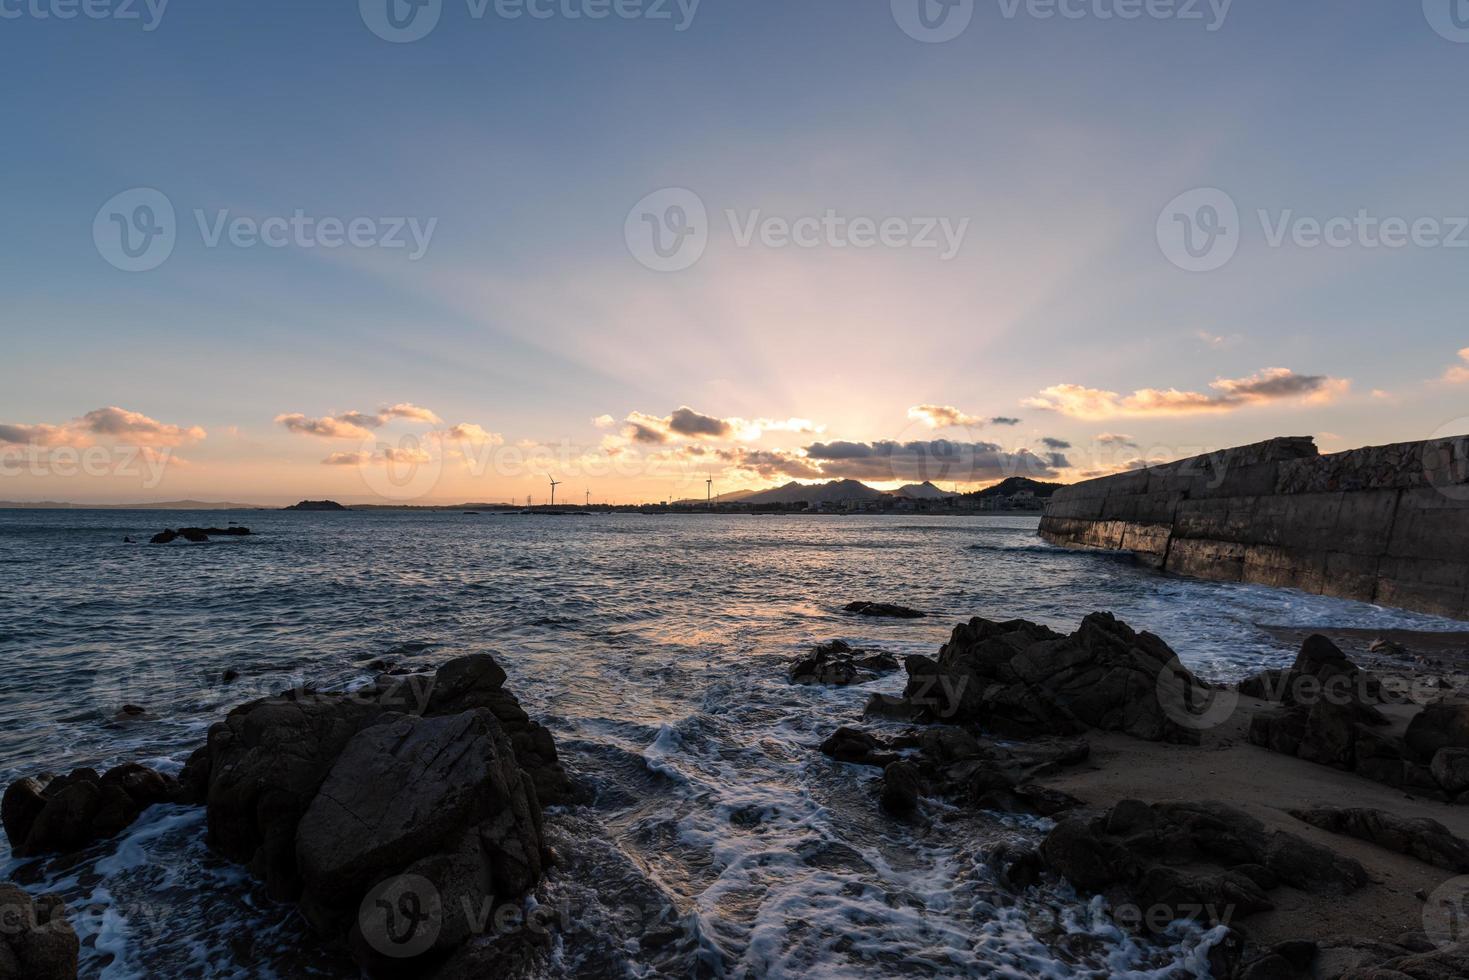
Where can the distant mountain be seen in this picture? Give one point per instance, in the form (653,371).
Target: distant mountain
(922,491)
(734,496)
(1015,484)
(160,505)
(835,492)
(316,505)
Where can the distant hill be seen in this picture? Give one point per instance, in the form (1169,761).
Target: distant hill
(160,505)
(1015,484)
(316,505)
(837,491)
(922,491)
(733,497)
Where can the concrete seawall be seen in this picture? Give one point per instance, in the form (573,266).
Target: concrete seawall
(1385,524)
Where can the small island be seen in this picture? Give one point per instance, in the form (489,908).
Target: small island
(316,505)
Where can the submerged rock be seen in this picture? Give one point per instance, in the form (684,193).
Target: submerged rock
(198,535)
(883,609)
(37,942)
(59,814)
(836,664)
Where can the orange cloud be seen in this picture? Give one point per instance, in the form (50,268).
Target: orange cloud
(1458,374)
(1269,385)
(111,423)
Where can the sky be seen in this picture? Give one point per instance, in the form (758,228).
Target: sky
(452,249)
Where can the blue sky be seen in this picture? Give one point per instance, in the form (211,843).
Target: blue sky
(1057,142)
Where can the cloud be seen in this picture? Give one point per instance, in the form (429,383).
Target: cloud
(355,425)
(686,423)
(1459,373)
(474,434)
(1270,385)
(1116,439)
(407,410)
(604,421)
(1051,443)
(942,416)
(1004,420)
(347,459)
(351,425)
(385,454)
(940,459)
(110,423)
(1217,341)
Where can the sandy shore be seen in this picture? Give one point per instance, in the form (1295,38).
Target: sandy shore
(1227,768)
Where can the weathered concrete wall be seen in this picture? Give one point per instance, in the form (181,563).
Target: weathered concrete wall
(1386,524)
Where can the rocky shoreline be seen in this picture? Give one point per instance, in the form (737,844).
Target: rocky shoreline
(1312,822)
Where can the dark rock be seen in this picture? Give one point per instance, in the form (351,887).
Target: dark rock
(1020,678)
(37,942)
(229,675)
(902,787)
(1444,725)
(1016,865)
(890,707)
(1267,685)
(198,535)
(1427,840)
(883,609)
(853,745)
(45,814)
(164,537)
(1450,768)
(836,664)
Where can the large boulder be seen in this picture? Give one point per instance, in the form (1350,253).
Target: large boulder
(36,940)
(1023,679)
(436,801)
(58,814)
(836,664)
(1427,840)
(1444,725)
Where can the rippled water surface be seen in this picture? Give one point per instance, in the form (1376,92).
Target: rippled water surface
(718,842)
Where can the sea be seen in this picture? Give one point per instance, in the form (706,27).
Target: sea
(715,840)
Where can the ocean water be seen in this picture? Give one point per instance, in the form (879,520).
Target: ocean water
(718,841)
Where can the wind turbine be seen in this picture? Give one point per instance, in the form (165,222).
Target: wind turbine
(554,485)
(709,491)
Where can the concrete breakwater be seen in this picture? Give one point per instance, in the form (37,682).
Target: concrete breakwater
(1384,524)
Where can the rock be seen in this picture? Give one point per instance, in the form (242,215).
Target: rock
(413,802)
(164,537)
(60,814)
(1447,963)
(1427,840)
(197,535)
(837,664)
(1198,856)
(902,787)
(890,707)
(1268,685)
(1444,725)
(883,609)
(1022,679)
(37,942)
(1016,865)
(438,798)
(1388,648)
(853,745)
(1450,768)
(133,712)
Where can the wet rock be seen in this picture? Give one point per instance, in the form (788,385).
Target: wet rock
(1016,865)
(889,707)
(59,814)
(198,535)
(855,746)
(1447,963)
(37,942)
(883,609)
(836,664)
(902,787)
(1019,678)
(133,712)
(1427,840)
